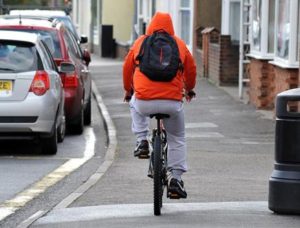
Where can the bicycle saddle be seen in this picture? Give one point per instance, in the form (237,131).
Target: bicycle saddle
(159,115)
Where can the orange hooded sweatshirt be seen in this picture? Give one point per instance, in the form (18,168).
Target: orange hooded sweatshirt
(144,88)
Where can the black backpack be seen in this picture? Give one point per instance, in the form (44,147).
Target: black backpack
(159,57)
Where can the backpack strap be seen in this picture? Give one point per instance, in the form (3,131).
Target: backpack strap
(141,52)
(180,67)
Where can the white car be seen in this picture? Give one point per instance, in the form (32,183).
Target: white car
(38,12)
(31,93)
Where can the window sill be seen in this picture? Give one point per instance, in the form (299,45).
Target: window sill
(284,65)
(260,57)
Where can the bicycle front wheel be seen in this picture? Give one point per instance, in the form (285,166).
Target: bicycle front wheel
(157,176)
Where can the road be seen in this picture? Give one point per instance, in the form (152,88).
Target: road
(230,159)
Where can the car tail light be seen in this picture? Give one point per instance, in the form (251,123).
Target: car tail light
(70,81)
(40,83)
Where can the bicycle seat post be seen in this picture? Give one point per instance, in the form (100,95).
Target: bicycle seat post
(158,117)
(158,125)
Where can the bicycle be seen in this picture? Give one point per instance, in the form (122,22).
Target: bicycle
(158,163)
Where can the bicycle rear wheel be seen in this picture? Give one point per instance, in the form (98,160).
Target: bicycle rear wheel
(157,176)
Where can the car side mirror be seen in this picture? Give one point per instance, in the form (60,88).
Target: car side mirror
(83,39)
(66,67)
(86,57)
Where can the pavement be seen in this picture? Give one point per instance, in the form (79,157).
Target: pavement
(230,157)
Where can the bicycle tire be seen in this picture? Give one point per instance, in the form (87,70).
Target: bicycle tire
(157,176)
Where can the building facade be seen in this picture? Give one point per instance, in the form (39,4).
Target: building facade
(274,53)
(181,11)
(110,18)
(270,32)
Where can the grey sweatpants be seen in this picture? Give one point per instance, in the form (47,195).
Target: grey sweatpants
(140,111)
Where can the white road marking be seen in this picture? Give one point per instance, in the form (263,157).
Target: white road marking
(117,101)
(60,216)
(31,219)
(124,115)
(204,135)
(200,125)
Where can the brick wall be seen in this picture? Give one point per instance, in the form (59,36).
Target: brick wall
(223,61)
(121,50)
(267,80)
(261,85)
(214,63)
(229,62)
(285,79)
(199,62)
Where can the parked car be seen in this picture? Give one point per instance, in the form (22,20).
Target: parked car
(51,15)
(31,93)
(38,12)
(64,48)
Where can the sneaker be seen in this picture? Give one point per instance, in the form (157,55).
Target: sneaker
(142,149)
(176,189)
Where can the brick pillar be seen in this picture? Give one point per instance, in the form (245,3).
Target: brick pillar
(261,85)
(208,35)
(285,79)
(205,50)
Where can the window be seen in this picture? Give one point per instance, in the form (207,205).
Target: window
(140,6)
(49,36)
(185,19)
(48,56)
(283,29)
(256,25)
(298,33)
(234,20)
(146,9)
(140,27)
(262,29)
(271,26)
(95,21)
(286,23)
(17,56)
(70,45)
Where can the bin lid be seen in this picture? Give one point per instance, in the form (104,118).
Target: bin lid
(282,100)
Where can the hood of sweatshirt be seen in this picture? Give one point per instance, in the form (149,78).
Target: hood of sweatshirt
(161,21)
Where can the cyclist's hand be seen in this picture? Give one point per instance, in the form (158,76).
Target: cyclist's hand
(190,95)
(127,96)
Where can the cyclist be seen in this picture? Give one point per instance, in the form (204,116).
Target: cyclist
(150,96)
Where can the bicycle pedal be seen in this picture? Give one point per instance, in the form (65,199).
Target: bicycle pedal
(143,156)
(173,196)
(150,175)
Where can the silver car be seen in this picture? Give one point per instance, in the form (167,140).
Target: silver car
(31,93)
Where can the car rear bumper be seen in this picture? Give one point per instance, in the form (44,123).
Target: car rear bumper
(34,114)
(72,103)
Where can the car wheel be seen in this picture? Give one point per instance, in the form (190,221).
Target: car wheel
(88,112)
(49,144)
(61,130)
(77,127)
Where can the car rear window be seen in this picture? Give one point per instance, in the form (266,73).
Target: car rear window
(16,57)
(50,37)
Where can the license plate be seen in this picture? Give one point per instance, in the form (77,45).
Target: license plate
(5,88)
